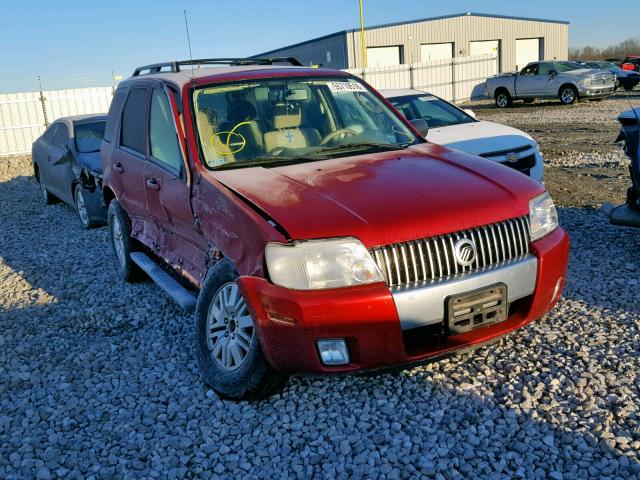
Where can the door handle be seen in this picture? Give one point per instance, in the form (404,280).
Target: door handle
(118,167)
(153,184)
(49,158)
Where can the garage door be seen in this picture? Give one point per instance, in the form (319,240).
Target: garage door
(486,47)
(436,51)
(380,56)
(527,50)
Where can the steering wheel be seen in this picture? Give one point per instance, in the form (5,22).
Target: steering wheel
(338,134)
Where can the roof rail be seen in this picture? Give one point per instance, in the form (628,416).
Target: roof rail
(174,66)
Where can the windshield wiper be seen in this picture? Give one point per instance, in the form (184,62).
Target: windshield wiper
(275,161)
(363,145)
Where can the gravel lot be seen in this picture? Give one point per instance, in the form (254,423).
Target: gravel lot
(98,380)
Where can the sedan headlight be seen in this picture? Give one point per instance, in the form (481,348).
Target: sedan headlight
(543,216)
(585,81)
(319,264)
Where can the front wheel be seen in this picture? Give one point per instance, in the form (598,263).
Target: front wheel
(227,348)
(503,99)
(568,95)
(81,208)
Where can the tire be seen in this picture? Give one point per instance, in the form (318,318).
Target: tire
(44,193)
(568,94)
(81,208)
(245,375)
(628,87)
(503,99)
(122,243)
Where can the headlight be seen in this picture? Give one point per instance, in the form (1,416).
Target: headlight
(543,216)
(585,81)
(319,264)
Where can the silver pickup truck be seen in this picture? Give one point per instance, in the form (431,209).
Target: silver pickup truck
(567,81)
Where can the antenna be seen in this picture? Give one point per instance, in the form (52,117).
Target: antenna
(186,24)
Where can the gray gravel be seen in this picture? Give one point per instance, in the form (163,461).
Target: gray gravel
(98,380)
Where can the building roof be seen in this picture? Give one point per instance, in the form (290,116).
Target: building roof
(418,20)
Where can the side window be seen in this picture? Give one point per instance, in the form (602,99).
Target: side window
(61,138)
(50,133)
(530,70)
(134,120)
(114,111)
(163,140)
(545,69)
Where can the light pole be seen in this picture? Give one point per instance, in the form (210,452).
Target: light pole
(364,48)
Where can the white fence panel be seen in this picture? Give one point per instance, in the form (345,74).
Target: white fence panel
(454,79)
(22,118)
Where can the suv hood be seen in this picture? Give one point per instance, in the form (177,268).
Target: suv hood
(479,137)
(385,197)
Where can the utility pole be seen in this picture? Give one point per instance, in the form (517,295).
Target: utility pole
(364,48)
(43,103)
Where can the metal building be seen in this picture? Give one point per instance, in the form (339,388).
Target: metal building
(515,41)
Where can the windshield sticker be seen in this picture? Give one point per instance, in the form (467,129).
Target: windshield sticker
(346,87)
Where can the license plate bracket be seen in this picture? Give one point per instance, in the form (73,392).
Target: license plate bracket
(478,308)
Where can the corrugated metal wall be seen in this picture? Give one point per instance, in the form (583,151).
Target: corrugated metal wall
(22,117)
(329,51)
(462,30)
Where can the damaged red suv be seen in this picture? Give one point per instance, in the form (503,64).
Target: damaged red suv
(312,228)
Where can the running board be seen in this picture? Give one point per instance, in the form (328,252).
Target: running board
(625,216)
(166,282)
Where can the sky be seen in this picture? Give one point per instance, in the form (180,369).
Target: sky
(73,43)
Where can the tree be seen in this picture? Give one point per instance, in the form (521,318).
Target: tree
(620,50)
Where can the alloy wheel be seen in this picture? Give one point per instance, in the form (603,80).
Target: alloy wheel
(81,207)
(230,330)
(118,241)
(568,95)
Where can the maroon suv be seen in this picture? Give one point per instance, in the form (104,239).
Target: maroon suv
(312,228)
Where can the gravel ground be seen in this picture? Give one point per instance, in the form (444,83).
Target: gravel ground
(98,380)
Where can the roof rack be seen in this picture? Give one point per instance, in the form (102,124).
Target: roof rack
(175,65)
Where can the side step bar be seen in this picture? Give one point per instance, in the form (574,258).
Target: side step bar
(625,216)
(166,282)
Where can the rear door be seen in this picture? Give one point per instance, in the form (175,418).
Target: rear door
(177,239)
(60,161)
(128,159)
(42,154)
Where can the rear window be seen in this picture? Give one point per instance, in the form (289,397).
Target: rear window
(61,138)
(88,136)
(133,130)
(114,114)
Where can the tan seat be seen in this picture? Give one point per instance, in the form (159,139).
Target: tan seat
(287,133)
(213,146)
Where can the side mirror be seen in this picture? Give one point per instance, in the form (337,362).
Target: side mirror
(421,126)
(553,74)
(470,112)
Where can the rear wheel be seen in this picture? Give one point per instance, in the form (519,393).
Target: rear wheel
(568,95)
(122,243)
(227,348)
(503,99)
(44,193)
(628,87)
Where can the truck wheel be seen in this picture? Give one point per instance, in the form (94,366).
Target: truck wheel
(503,99)
(227,348)
(568,95)
(81,208)
(122,243)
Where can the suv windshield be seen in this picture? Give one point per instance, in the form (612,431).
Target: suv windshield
(435,111)
(278,121)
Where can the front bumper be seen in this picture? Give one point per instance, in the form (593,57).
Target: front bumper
(594,92)
(289,322)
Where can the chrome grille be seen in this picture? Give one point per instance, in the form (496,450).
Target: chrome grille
(431,259)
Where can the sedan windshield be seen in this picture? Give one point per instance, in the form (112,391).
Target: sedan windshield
(435,111)
(278,121)
(88,136)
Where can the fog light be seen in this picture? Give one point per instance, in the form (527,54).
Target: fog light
(333,351)
(558,289)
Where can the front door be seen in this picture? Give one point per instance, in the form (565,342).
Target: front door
(177,239)
(60,165)
(529,83)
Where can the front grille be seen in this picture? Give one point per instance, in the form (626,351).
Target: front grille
(432,259)
(523,164)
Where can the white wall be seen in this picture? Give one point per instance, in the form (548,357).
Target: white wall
(22,116)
